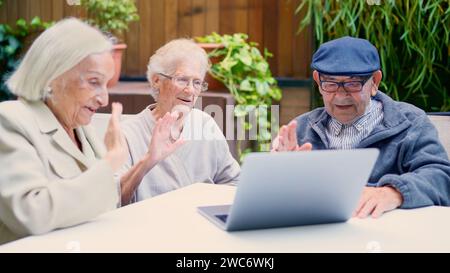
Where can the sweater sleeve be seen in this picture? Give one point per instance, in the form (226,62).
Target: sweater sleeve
(228,169)
(426,180)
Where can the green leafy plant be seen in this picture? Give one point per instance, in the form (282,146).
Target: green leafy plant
(12,43)
(112,16)
(412,38)
(245,72)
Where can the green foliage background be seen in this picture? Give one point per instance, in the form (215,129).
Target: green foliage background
(246,73)
(111,16)
(13,39)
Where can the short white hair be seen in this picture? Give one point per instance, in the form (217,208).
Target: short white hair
(169,56)
(57,50)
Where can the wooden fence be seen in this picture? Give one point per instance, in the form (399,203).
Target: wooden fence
(271,23)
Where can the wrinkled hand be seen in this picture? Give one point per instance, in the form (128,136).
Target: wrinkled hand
(114,140)
(287,139)
(162,144)
(377,200)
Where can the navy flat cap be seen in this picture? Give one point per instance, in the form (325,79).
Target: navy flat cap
(346,56)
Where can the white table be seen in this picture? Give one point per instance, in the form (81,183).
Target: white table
(171,223)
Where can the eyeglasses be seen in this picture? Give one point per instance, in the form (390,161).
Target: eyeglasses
(349,87)
(184,82)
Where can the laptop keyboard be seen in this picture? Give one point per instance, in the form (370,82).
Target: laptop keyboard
(222,217)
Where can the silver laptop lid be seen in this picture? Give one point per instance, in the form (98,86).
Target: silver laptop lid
(299,188)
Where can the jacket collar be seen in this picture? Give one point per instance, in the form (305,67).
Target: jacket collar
(44,117)
(392,117)
(48,124)
(393,122)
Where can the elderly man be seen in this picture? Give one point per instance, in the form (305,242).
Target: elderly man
(413,168)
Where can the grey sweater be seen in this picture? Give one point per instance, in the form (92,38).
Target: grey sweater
(412,159)
(205,157)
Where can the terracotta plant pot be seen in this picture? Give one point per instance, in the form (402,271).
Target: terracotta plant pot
(117,56)
(213,84)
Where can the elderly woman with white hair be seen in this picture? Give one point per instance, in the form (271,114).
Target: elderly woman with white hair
(176,74)
(55,173)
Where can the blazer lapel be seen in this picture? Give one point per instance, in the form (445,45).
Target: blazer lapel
(64,142)
(48,124)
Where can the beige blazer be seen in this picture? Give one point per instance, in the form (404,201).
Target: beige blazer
(46,182)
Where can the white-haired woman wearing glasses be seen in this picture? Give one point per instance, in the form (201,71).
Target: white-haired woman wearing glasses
(176,74)
(54,172)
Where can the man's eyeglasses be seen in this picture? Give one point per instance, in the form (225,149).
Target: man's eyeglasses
(349,87)
(184,82)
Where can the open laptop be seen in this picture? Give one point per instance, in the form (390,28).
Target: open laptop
(295,188)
